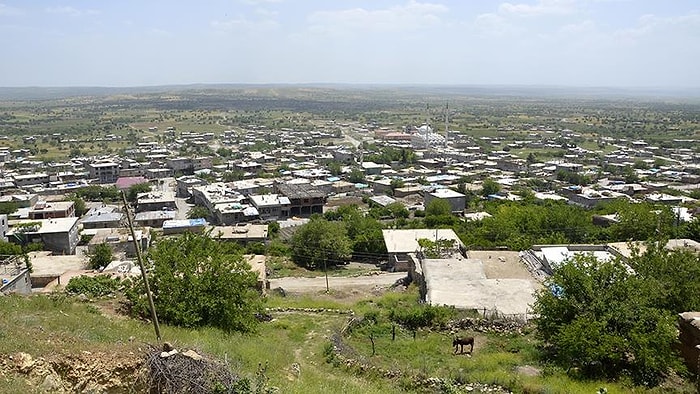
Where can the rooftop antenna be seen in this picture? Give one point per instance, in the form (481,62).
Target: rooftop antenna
(427,126)
(447,121)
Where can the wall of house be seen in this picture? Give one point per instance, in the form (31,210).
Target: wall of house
(689,335)
(19,284)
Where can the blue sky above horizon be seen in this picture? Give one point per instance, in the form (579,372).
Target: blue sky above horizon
(610,43)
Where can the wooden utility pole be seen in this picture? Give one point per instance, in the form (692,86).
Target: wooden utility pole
(139,258)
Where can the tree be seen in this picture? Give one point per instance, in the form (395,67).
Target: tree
(599,316)
(356,176)
(489,187)
(335,168)
(438,213)
(198,212)
(79,205)
(321,243)
(8,208)
(199,281)
(100,257)
(134,190)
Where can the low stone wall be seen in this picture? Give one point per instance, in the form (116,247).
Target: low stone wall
(500,326)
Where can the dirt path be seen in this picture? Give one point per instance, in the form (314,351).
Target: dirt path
(312,285)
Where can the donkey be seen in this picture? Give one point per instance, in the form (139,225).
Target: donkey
(460,342)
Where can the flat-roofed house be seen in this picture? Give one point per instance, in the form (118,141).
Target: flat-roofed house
(50,210)
(58,235)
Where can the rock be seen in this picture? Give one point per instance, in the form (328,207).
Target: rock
(168,354)
(193,355)
(23,362)
(528,370)
(51,383)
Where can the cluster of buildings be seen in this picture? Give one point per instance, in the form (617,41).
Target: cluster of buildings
(298,173)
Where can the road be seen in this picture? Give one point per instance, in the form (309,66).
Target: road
(313,285)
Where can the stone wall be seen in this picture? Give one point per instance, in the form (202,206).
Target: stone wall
(689,327)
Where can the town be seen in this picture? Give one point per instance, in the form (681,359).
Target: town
(474,199)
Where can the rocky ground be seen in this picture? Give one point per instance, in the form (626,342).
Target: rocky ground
(84,372)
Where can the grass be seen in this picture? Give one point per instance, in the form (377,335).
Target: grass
(283,267)
(56,324)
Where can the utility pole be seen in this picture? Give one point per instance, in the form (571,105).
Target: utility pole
(325,271)
(139,258)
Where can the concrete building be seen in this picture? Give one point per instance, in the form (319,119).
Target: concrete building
(401,243)
(154,218)
(14,276)
(58,235)
(271,206)
(102,217)
(155,201)
(185,184)
(243,233)
(120,240)
(51,210)
(104,171)
(589,198)
(304,199)
(184,225)
(32,179)
(456,200)
(3,227)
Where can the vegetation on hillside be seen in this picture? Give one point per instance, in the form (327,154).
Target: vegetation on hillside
(198,281)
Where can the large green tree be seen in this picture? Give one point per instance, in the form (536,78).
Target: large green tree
(320,243)
(604,319)
(200,281)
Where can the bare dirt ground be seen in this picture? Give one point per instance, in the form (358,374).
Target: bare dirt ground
(501,264)
(378,281)
(44,263)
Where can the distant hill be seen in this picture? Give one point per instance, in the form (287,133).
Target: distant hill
(52,93)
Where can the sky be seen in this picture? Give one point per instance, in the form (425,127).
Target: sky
(587,43)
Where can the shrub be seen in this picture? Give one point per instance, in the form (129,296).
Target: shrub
(93,286)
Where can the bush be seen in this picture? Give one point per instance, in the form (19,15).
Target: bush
(198,281)
(100,257)
(93,286)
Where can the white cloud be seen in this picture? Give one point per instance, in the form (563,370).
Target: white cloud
(541,7)
(259,2)
(651,25)
(6,10)
(70,11)
(411,16)
(242,24)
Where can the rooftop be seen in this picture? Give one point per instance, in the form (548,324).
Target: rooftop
(406,241)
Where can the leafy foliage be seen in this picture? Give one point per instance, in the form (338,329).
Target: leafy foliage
(93,286)
(79,205)
(490,187)
(364,230)
(438,213)
(321,243)
(100,257)
(134,190)
(7,208)
(198,212)
(8,248)
(199,281)
(604,319)
(98,193)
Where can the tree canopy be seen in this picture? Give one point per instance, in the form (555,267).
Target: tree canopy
(200,281)
(321,243)
(100,257)
(608,320)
